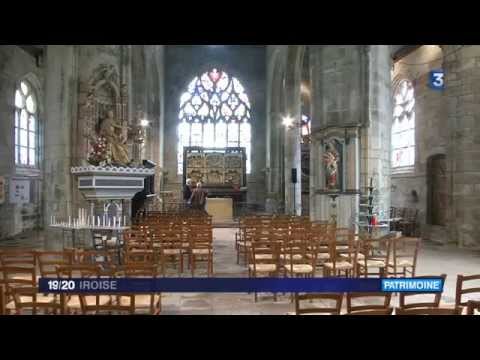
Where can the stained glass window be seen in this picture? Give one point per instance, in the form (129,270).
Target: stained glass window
(25,125)
(214,112)
(403,126)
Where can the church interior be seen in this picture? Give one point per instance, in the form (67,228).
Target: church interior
(239,161)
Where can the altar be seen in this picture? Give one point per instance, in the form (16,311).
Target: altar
(222,171)
(221,209)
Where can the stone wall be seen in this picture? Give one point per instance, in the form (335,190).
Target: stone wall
(247,64)
(431,134)
(462,96)
(15,65)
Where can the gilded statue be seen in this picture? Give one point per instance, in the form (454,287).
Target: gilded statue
(112,131)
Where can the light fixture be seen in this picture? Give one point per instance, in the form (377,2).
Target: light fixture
(144,123)
(288,121)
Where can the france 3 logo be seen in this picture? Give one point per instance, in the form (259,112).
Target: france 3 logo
(437,80)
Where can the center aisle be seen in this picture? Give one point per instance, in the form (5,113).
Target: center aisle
(225,265)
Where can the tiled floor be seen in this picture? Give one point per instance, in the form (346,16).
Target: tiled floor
(433,260)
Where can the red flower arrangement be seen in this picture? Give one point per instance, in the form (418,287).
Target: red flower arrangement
(99,151)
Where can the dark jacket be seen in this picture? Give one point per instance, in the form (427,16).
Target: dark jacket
(187,193)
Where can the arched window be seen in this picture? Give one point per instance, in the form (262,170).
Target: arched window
(214,112)
(26,125)
(403,127)
(306,129)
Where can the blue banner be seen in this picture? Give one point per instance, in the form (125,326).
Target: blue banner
(228,285)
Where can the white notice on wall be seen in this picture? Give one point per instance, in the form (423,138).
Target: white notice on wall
(19,191)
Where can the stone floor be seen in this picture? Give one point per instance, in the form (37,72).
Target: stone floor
(433,260)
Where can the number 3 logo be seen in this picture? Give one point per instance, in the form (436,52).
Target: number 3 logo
(437,79)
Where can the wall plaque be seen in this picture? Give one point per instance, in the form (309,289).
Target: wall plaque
(19,191)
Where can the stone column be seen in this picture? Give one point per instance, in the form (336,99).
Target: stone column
(351,102)
(61,112)
(292,135)
(376,135)
(292,160)
(462,93)
(276,59)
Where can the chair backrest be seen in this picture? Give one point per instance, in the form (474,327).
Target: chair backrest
(473,306)
(429,311)
(3,299)
(17,276)
(435,303)
(361,301)
(140,257)
(48,260)
(264,252)
(461,290)
(385,311)
(16,257)
(307,303)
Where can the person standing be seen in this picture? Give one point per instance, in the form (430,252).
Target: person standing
(198,198)
(187,192)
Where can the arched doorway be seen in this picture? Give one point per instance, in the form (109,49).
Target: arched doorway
(437,190)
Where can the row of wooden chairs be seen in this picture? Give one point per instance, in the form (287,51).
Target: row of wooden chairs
(170,240)
(382,307)
(338,251)
(405,306)
(21,294)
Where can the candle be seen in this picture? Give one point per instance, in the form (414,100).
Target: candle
(124,221)
(69,220)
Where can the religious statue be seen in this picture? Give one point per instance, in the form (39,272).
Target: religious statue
(331,159)
(109,146)
(112,131)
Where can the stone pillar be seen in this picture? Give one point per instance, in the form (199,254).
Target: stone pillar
(292,135)
(292,160)
(376,135)
(276,60)
(351,104)
(60,121)
(462,92)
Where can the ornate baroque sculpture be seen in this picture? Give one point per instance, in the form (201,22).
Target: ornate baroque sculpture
(107,132)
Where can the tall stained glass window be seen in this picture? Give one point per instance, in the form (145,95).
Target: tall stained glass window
(214,112)
(26,126)
(403,127)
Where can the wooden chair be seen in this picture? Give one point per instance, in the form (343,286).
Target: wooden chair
(473,306)
(312,298)
(17,257)
(403,261)
(429,311)
(150,302)
(82,303)
(48,261)
(375,255)
(364,308)
(385,311)
(22,292)
(264,260)
(3,300)
(461,291)
(319,240)
(416,305)
(294,259)
(201,247)
(342,255)
(171,249)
